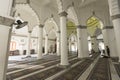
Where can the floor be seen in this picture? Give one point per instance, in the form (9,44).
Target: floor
(49,68)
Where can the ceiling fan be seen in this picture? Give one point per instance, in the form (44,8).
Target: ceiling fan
(20,24)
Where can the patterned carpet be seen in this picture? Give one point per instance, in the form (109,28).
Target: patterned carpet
(101,70)
(75,72)
(47,73)
(117,67)
(27,71)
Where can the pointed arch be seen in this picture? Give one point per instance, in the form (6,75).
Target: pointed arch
(94,25)
(72,14)
(52,25)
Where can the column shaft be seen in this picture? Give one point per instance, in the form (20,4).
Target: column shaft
(46,44)
(94,44)
(58,43)
(64,48)
(5,7)
(5,35)
(40,41)
(79,44)
(84,42)
(29,44)
(114,7)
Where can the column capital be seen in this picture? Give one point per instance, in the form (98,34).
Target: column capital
(107,27)
(63,13)
(93,36)
(113,17)
(81,27)
(6,21)
(41,26)
(58,31)
(46,35)
(29,31)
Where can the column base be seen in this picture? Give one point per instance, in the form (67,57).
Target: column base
(64,66)
(39,58)
(58,55)
(28,56)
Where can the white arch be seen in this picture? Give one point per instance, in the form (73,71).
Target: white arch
(55,26)
(101,22)
(71,11)
(53,30)
(73,35)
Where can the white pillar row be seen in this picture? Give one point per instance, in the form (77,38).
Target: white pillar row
(29,44)
(79,41)
(5,34)
(58,43)
(111,41)
(94,43)
(40,41)
(114,6)
(64,47)
(46,44)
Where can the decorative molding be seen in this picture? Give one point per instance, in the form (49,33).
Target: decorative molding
(63,14)
(115,16)
(6,21)
(82,27)
(108,27)
(41,26)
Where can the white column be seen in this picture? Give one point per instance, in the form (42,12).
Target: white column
(94,43)
(84,40)
(64,48)
(105,36)
(40,41)
(80,51)
(5,7)
(58,43)
(29,44)
(70,46)
(109,40)
(114,7)
(46,44)
(5,35)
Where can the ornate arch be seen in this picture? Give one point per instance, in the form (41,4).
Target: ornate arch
(94,25)
(75,18)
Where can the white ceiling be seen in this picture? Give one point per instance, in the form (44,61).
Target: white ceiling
(78,11)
